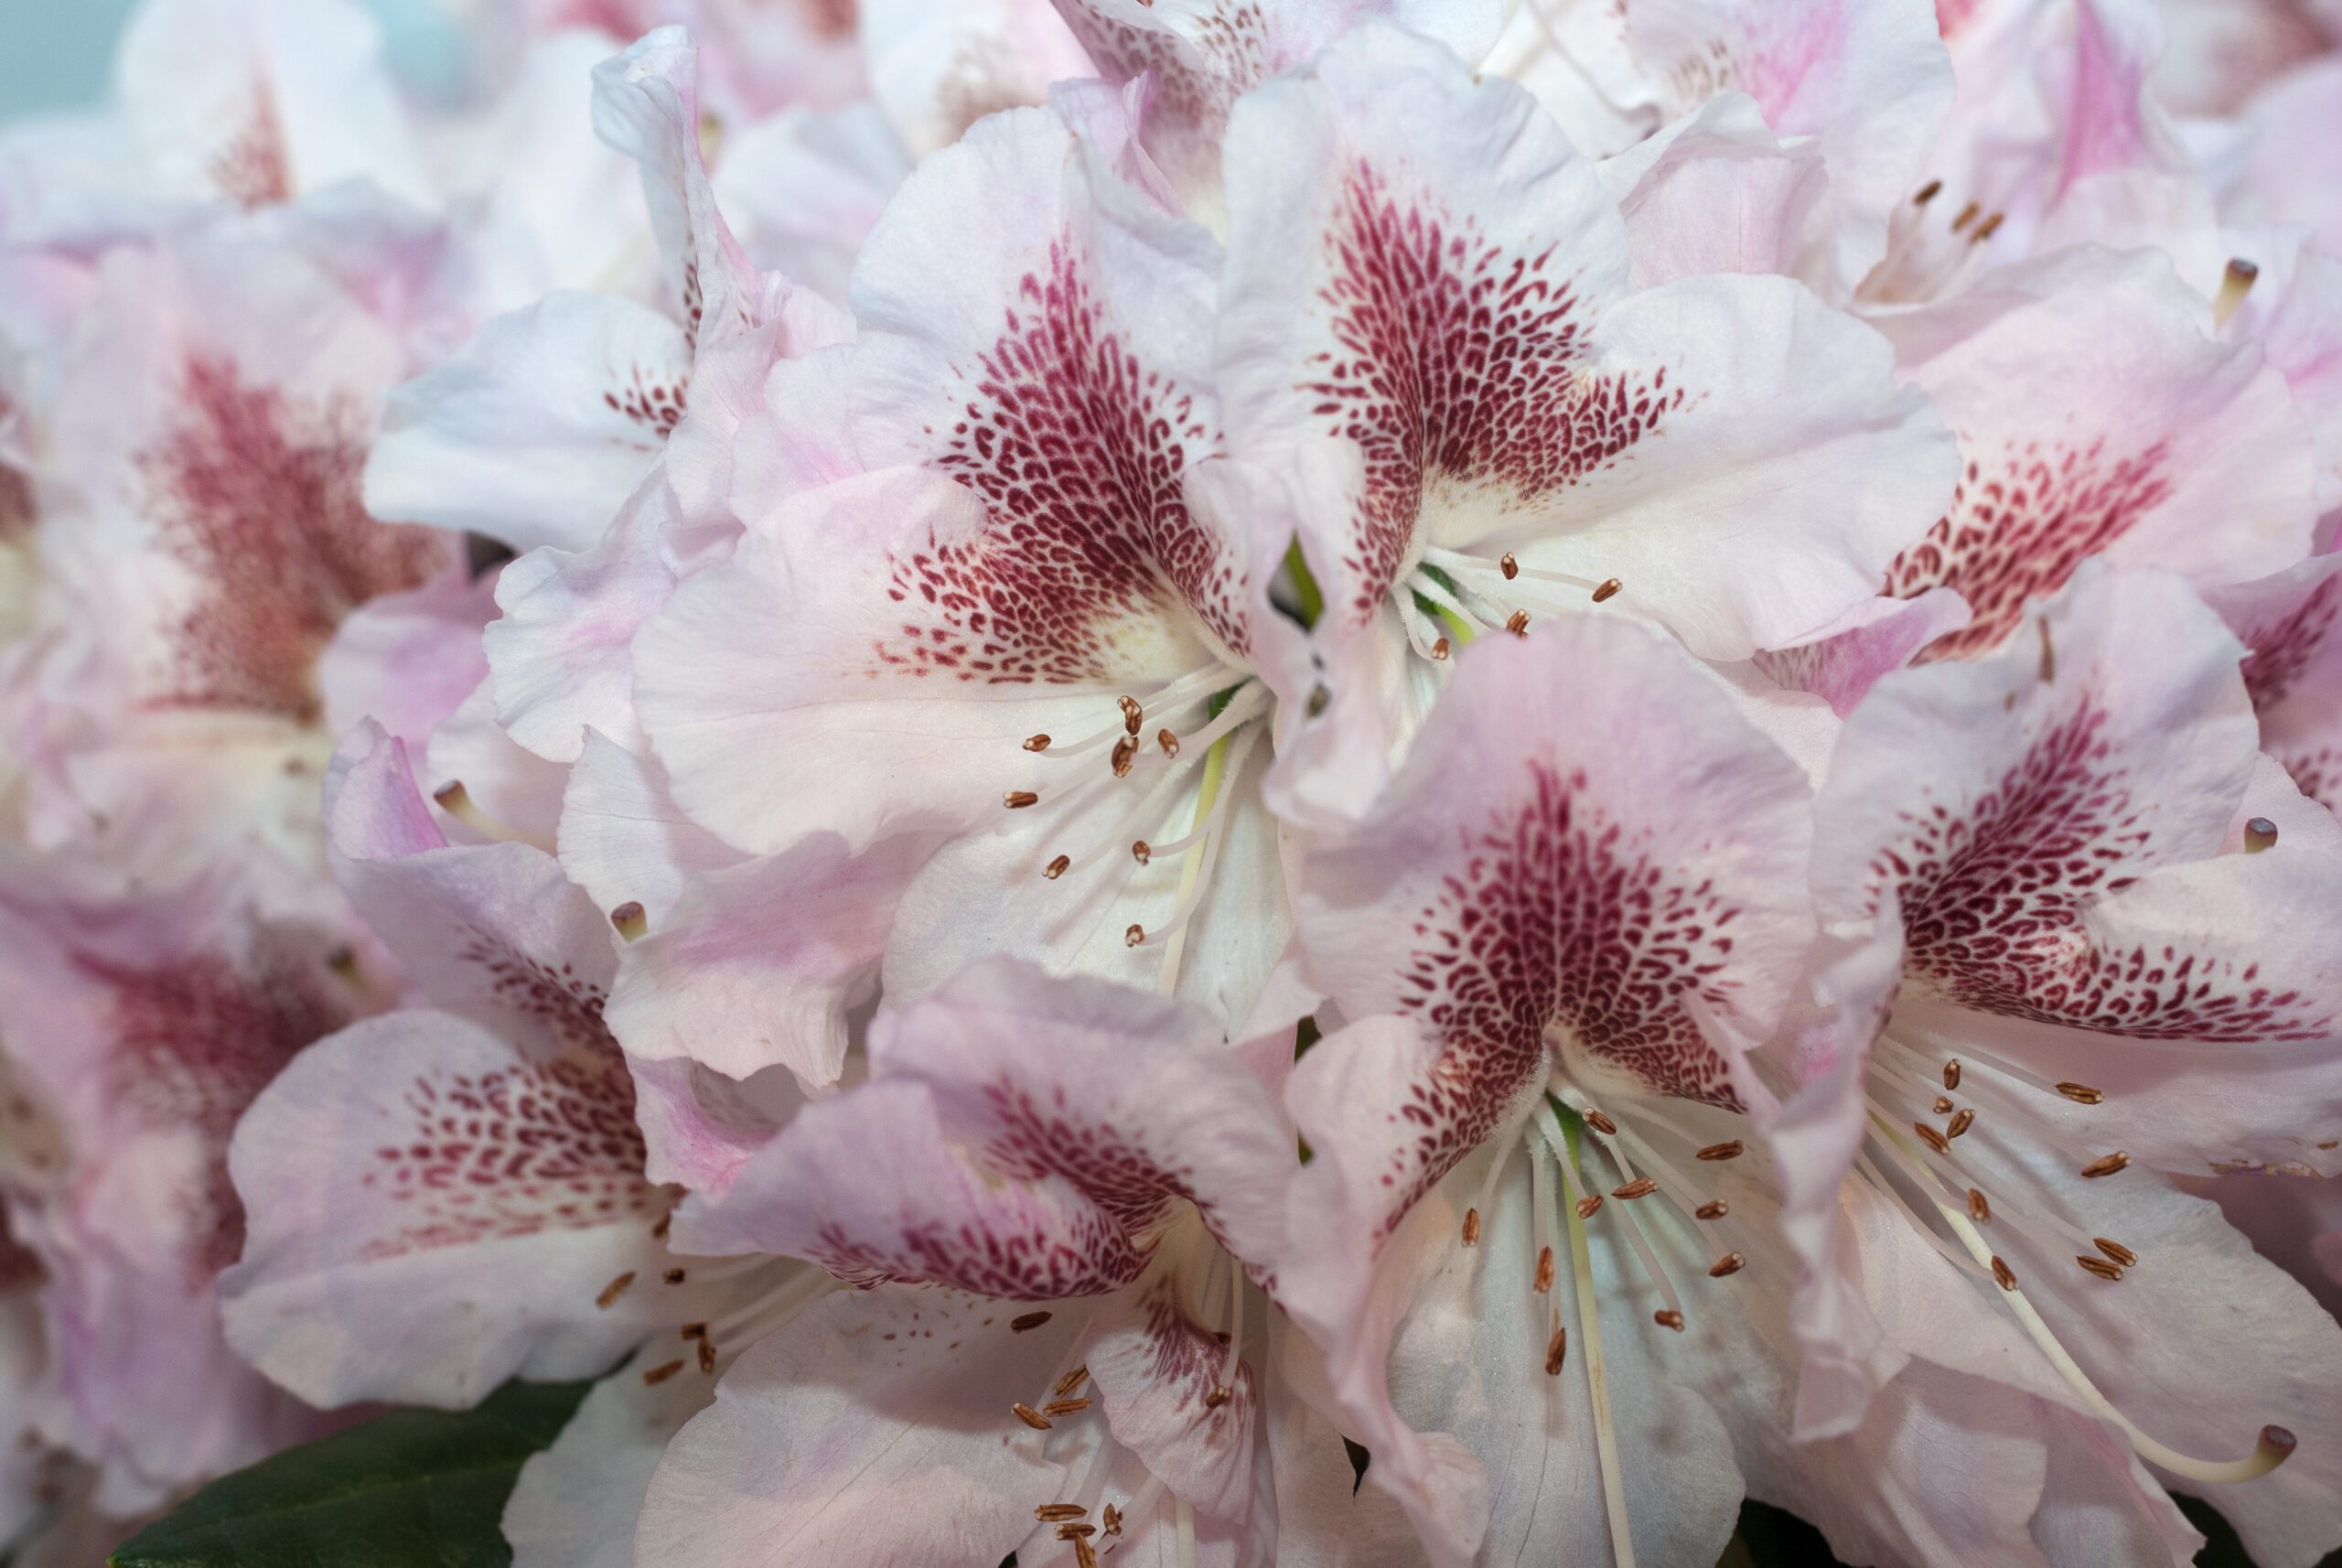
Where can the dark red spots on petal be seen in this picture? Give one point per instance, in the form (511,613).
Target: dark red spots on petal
(253,168)
(1994,900)
(1077,451)
(1459,364)
(260,500)
(2021,521)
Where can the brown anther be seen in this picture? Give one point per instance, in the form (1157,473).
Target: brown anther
(1641,1186)
(1057,1513)
(1017,800)
(1029,1416)
(1608,590)
(2115,1250)
(1112,1519)
(1028,1322)
(1730,1149)
(1142,851)
(2081,1093)
(657,1375)
(1037,743)
(1070,1381)
(628,921)
(1168,742)
(1439,648)
(1943,1105)
(1132,715)
(1979,1209)
(1952,1074)
(1967,216)
(1931,1138)
(2239,267)
(1927,193)
(1084,1554)
(1125,754)
(2259,834)
(615,1289)
(1730,1264)
(1986,229)
(1134,935)
(1517,623)
(1056,867)
(707,1356)
(450,794)
(1544,1280)
(2002,1273)
(1471,1228)
(2099,1266)
(1065,1407)
(1668,1317)
(1589,1206)
(1508,566)
(2107,1167)
(1715,1208)
(693,1331)
(1959,1123)
(673,1276)
(659,1231)
(1218,1396)
(1557,1350)
(1075,1532)
(1321,697)
(1601,1124)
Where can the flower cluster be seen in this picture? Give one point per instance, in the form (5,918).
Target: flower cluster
(1216,782)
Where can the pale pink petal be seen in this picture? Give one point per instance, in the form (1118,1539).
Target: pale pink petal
(757,965)
(625,841)
(2295,169)
(1170,1396)
(508,791)
(536,431)
(2096,417)
(803,189)
(1716,191)
(1842,660)
(433,1209)
(577,1503)
(938,69)
(700,1127)
(407,660)
(875,1430)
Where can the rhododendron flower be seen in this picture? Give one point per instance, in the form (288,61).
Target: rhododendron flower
(2116,957)
(1420,264)
(139,1029)
(1087,1179)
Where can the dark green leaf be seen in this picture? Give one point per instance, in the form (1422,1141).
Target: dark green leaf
(415,1488)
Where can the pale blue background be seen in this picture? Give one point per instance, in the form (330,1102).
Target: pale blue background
(56,53)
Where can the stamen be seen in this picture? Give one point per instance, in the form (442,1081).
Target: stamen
(2259,834)
(1125,756)
(1028,1322)
(1065,1407)
(693,1331)
(2235,284)
(630,921)
(2107,1167)
(1979,1209)
(2115,1251)
(1933,1138)
(1017,800)
(1036,742)
(1668,1317)
(1985,231)
(707,1357)
(1600,1123)
(615,1289)
(1715,1210)
(1927,193)
(1543,1283)
(1952,1074)
(1589,1206)
(1729,1150)
(1071,1381)
(1608,590)
(1168,742)
(1075,1532)
(1134,935)
(2081,1093)
(1517,623)
(1142,852)
(659,1374)
(1967,216)
(1598,1376)
(673,1276)
(1056,867)
(2002,1273)
(1730,1264)
(1055,1513)
(1133,715)
(1029,1416)
(2099,1266)
(1641,1186)
(1112,1520)
(1508,566)
(1557,1349)
(1471,1228)
(1084,1554)
(1439,648)
(1959,1123)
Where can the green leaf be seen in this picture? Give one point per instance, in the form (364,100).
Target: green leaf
(415,1488)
